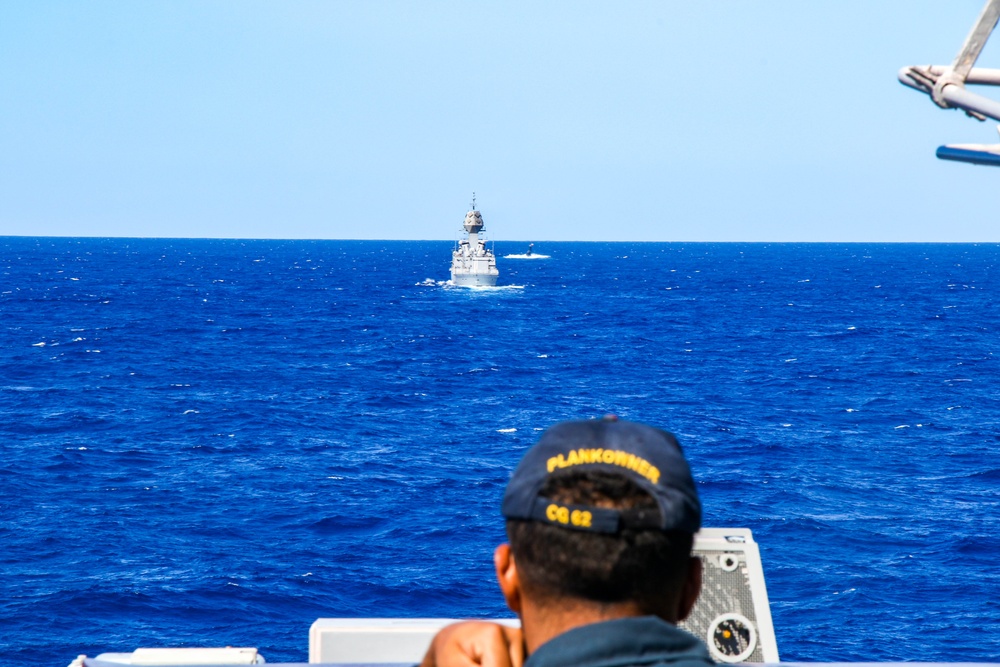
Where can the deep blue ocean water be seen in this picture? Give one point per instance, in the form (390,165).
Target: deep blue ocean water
(212,442)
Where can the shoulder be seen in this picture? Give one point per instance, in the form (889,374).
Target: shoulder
(628,642)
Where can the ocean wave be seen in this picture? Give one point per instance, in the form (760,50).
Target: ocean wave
(359,423)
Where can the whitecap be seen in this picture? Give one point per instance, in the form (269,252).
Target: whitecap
(189,412)
(522,256)
(903,426)
(38,344)
(543,356)
(506,430)
(489,288)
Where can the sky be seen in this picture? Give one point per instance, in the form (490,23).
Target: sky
(577,120)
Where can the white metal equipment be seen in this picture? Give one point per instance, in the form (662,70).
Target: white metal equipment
(174,656)
(946,87)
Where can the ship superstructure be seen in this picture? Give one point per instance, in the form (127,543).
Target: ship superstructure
(472,263)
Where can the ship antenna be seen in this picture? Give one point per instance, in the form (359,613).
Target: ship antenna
(473,201)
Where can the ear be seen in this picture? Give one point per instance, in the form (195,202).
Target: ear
(691,589)
(507,577)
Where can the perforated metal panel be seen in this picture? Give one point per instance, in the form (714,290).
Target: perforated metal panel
(732,615)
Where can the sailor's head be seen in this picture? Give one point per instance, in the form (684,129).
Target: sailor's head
(603,512)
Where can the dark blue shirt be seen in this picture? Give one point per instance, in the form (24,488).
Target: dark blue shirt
(624,642)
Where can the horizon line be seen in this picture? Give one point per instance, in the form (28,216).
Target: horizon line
(383,240)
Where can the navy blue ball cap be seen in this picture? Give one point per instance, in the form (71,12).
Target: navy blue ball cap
(650,457)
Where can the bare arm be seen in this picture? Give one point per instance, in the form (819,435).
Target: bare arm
(476,644)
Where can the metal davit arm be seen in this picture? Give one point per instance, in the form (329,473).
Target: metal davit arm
(976,40)
(946,85)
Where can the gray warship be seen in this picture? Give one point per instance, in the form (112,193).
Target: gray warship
(472,263)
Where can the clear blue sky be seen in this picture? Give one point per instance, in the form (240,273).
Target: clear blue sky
(645,121)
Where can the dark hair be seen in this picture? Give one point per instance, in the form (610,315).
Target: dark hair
(647,567)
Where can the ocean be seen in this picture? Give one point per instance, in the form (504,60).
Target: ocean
(215,442)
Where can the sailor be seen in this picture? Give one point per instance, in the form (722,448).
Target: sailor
(601,517)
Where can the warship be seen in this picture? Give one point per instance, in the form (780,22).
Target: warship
(472,263)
